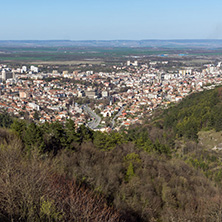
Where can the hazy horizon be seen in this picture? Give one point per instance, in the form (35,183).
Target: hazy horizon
(151,39)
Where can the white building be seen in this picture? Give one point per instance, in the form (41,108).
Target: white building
(105,94)
(34,69)
(34,106)
(185,72)
(24,69)
(135,63)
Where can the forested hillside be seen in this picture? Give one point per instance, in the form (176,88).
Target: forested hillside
(157,171)
(196,112)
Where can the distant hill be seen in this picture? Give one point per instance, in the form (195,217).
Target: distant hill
(186,43)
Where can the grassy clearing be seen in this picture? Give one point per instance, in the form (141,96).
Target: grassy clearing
(210,139)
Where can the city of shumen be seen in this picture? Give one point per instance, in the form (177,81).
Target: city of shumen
(104,96)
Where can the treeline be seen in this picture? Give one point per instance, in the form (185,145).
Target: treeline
(52,137)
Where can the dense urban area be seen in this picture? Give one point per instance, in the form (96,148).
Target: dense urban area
(101,100)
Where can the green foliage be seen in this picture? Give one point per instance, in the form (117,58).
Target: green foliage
(5,120)
(54,136)
(195,112)
(72,136)
(134,157)
(140,136)
(200,164)
(18,126)
(132,161)
(48,211)
(33,137)
(161,148)
(218,176)
(104,141)
(130,172)
(208,163)
(84,134)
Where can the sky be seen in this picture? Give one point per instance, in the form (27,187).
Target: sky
(110,19)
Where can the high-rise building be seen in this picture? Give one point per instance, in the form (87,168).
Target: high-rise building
(135,63)
(6,75)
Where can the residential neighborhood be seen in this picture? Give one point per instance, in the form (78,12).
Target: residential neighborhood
(135,89)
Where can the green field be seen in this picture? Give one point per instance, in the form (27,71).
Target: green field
(96,53)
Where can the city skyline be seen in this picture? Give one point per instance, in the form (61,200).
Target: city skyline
(116,20)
